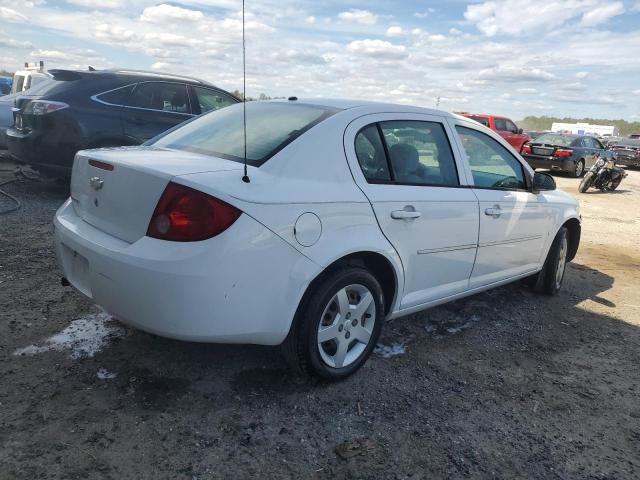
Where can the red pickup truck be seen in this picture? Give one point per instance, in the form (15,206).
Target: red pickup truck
(503,126)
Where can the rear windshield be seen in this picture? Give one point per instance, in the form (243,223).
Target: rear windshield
(482,120)
(270,127)
(555,139)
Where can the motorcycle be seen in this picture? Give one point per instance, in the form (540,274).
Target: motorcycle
(604,175)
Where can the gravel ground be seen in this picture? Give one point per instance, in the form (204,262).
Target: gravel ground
(504,384)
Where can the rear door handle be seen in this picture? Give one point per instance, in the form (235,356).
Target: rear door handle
(494,212)
(404,214)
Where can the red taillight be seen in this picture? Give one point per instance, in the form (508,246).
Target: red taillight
(561,152)
(526,148)
(187,215)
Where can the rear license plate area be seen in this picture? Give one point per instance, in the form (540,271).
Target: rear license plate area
(77,270)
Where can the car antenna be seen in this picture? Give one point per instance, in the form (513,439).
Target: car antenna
(245,177)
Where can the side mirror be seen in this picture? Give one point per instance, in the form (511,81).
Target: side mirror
(520,131)
(543,182)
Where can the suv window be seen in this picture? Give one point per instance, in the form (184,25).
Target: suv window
(118,96)
(500,124)
(419,153)
(482,120)
(168,97)
(511,127)
(371,154)
(492,166)
(207,100)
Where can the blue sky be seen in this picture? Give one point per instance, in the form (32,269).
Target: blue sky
(518,58)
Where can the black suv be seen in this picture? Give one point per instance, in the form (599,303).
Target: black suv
(76,110)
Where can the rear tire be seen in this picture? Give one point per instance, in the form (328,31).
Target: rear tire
(346,309)
(549,279)
(578,171)
(586,182)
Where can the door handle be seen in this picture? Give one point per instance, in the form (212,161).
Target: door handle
(494,212)
(405,214)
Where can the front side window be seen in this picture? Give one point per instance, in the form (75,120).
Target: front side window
(371,154)
(419,153)
(511,127)
(270,127)
(167,97)
(492,165)
(501,124)
(207,100)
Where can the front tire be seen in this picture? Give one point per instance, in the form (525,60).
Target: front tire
(586,182)
(337,325)
(549,279)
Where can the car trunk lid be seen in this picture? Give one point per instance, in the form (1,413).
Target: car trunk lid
(116,190)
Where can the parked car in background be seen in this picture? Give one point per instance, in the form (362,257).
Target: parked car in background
(354,214)
(504,126)
(627,151)
(572,154)
(29,77)
(634,135)
(91,109)
(609,140)
(5,85)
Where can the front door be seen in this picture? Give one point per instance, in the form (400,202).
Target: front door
(406,168)
(513,220)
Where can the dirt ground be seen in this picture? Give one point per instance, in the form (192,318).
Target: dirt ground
(504,384)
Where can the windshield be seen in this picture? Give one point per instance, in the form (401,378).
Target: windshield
(556,139)
(270,127)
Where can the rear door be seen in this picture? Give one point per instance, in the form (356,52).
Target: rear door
(513,220)
(405,165)
(153,107)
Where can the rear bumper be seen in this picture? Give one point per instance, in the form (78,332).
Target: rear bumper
(242,286)
(550,163)
(41,150)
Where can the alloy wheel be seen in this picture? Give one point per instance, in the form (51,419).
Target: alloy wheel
(346,326)
(562,260)
(579,168)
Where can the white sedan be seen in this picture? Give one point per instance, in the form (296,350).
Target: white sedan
(354,213)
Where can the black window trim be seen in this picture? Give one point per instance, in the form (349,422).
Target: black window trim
(527,180)
(393,181)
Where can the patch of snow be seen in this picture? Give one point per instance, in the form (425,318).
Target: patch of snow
(104,374)
(388,351)
(84,337)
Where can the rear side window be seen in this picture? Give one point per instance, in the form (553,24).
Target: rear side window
(270,127)
(207,100)
(492,165)
(371,154)
(118,96)
(418,153)
(167,97)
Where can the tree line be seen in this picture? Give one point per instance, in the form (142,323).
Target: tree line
(537,124)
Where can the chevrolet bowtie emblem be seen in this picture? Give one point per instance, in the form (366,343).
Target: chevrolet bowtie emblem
(96,183)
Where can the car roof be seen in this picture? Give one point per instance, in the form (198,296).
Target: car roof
(344,104)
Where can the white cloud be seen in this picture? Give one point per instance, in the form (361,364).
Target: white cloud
(395,31)
(310,19)
(636,92)
(454,31)
(377,48)
(7,41)
(97,3)
(602,14)
(425,13)
(511,73)
(163,13)
(354,15)
(515,17)
(11,15)
(582,75)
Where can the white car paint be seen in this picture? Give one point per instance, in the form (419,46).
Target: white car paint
(245,284)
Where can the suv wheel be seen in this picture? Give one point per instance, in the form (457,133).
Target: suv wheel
(338,325)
